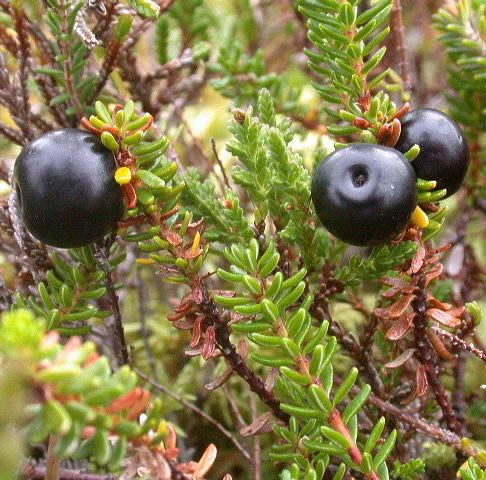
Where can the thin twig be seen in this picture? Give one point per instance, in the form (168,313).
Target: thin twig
(421,425)
(38,472)
(257,449)
(53,462)
(8,41)
(197,411)
(136,81)
(458,396)
(175,473)
(186,59)
(401,47)
(220,163)
(49,92)
(196,143)
(12,134)
(24,69)
(141,296)
(240,421)
(33,255)
(121,351)
(460,343)
(425,354)
(112,52)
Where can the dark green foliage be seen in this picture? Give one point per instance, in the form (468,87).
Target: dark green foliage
(380,261)
(408,471)
(231,293)
(67,298)
(347,54)
(225,218)
(462,29)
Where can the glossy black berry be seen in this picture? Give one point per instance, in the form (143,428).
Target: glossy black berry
(364,194)
(444,152)
(66,190)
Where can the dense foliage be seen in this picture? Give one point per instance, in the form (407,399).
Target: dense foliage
(221,331)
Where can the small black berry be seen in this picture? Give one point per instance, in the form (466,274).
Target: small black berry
(444,151)
(364,194)
(67,194)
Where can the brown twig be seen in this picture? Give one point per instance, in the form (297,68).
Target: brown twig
(13,134)
(220,163)
(24,53)
(235,361)
(138,87)
(53,462)
(43,42)
(49,92)
(398,30)
(460,343)
(112,52)
(121,351)
(425,354)
(174,66)
(240,421)
(38,472)
(197,411)
(196,143)
(424,426)
(142,301)
(175,473)
(458,396)
(8,41)
(32,255)
(257,449)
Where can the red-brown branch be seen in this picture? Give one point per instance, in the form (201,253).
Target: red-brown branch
(398,31)
(239,366)
(426,355)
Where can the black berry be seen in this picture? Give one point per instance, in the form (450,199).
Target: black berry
(66,190)
(364,194)
(444,152)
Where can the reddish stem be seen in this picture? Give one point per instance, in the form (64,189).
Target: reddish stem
(336,421)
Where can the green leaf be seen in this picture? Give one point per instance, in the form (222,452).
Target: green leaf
(346,386)
(231,302)
(291,297)
(319,398)
(335,437)
(296,377)
(301,412)
(151,180)
(374,436)
(385,449)
(357,403)
(147,8)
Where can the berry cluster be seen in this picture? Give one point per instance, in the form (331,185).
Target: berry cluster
(365,194)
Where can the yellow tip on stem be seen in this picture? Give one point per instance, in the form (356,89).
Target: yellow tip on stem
(123,175)
(420,218)
(195,244)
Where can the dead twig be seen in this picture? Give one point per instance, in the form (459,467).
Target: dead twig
(197,411)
